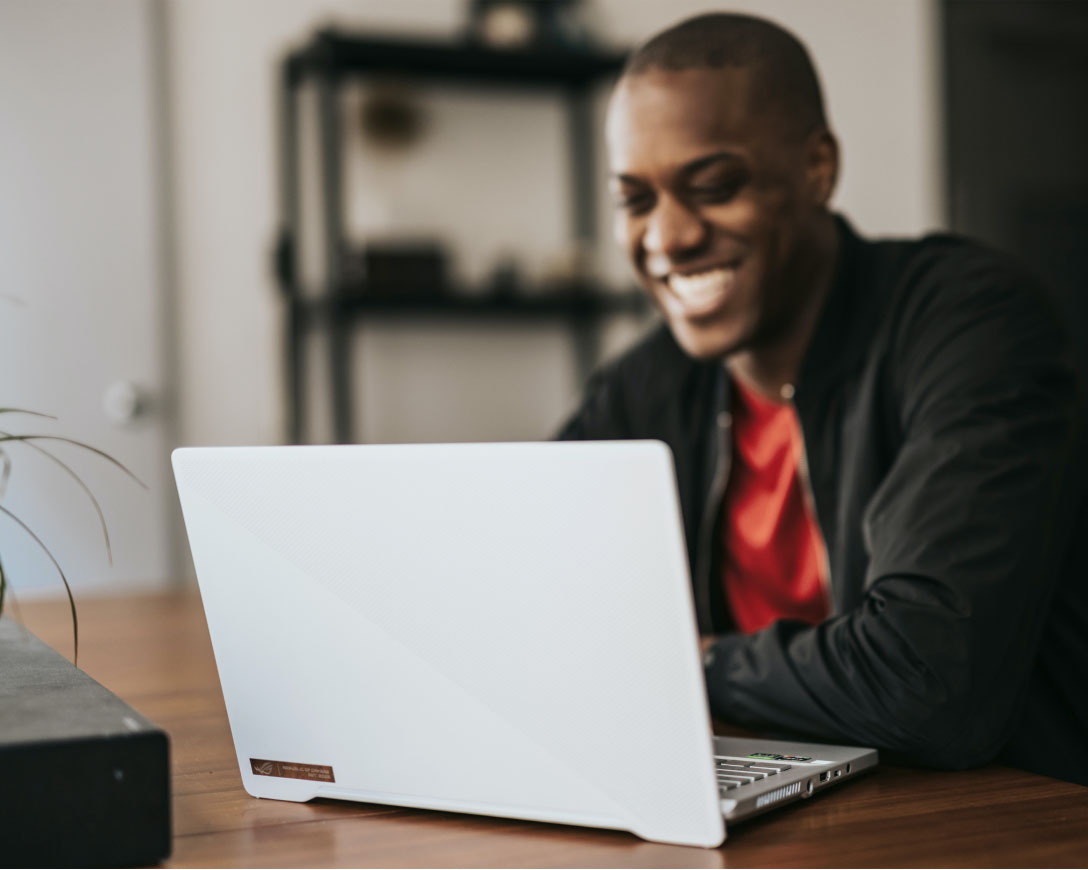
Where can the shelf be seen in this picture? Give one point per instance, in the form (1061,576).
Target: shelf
(329,60)
(567,304)
(341,54)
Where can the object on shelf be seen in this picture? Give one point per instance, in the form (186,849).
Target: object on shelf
(398,268)
(516,24)
(572,266)
(506,278)
(392,117)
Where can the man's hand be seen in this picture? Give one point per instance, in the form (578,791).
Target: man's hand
(706,643)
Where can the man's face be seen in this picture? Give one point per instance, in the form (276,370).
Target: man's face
(715,204)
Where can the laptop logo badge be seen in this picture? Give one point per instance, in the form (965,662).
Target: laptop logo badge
(291,770)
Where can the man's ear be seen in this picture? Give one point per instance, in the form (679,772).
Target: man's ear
(823,165)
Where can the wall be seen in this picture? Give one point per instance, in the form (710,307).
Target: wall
(82,294)
(492,175)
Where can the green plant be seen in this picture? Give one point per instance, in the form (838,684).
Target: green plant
(31,441)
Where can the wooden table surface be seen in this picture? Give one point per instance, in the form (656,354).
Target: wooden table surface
(154,652)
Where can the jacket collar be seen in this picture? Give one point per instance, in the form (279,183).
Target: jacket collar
(837,342)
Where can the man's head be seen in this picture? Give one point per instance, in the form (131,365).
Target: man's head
(722,168)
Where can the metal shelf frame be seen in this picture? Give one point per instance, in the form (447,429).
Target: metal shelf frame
(328,61)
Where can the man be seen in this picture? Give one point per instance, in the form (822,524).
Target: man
(878,444)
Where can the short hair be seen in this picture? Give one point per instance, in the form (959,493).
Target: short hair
(785,76)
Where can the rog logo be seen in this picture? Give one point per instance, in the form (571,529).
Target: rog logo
(292,770)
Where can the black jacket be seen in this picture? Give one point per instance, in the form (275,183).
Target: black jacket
(944,435)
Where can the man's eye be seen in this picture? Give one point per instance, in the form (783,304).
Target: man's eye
(635,203)
(717,191)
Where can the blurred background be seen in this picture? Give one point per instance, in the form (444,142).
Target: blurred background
(228,222)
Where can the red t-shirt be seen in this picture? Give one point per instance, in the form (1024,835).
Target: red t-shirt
(773,553)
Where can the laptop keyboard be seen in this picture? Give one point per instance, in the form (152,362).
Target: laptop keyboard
(738,772)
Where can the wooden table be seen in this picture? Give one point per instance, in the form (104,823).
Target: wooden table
(154,652)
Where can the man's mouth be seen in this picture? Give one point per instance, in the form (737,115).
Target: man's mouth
(698,294)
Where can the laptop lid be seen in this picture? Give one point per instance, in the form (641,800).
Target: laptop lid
(503,629)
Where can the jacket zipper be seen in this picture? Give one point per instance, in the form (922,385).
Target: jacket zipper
(810,503)
(706,527)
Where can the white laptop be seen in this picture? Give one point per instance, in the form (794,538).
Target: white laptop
(504,629)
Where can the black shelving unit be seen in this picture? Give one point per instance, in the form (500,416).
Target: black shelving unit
(331,59)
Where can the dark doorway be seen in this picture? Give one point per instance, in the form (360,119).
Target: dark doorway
(1017,125)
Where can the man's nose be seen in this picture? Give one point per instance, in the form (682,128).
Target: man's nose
(672,229)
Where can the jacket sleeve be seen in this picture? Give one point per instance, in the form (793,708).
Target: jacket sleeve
(967,535)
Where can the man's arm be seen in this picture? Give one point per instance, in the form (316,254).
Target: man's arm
(967,536)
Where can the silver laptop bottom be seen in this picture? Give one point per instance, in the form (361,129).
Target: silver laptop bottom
(757,775)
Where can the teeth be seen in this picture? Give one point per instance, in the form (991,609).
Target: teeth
(703,285)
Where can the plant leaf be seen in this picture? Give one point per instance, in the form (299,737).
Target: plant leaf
(24,411)
(6,473)
(75,477)
(95,450)
(16,614)
(64,580)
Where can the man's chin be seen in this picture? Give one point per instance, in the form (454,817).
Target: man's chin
(707,344)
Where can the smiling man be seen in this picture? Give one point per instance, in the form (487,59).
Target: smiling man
(878,445)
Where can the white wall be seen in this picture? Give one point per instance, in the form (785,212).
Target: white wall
(80,249)
(493,177)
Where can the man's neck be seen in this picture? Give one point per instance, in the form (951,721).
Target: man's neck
(772,369)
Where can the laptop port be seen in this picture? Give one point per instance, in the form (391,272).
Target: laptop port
(825,776)
(848,768)
(838,772)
